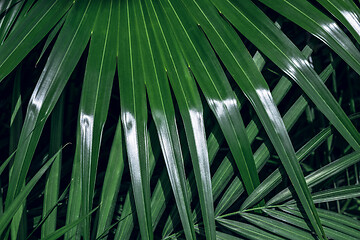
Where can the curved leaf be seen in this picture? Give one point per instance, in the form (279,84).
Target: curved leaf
(163,115)
(60,65)
(317,23)
(215,87)
(9,212)
(248,231)
(335,194)
(262,32)
(347,13)
(27,34)
(301,223)
(321,175)
(277,227)
(191,111)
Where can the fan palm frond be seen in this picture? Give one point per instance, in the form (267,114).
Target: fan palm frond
(185,117)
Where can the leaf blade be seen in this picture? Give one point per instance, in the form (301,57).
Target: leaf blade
(134,116)
(36,25)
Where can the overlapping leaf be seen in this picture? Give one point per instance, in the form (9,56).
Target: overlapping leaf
(185,73)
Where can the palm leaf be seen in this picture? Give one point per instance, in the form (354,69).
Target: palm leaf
(184,116)
(33,28)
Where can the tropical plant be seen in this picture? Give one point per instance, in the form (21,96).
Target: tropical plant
(179,119)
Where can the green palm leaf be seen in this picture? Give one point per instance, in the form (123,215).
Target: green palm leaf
(317,23)
(32,28)
(183,116)
(95,98)
(133,113)
(221,100)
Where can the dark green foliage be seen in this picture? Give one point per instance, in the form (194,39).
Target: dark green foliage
(173,119)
